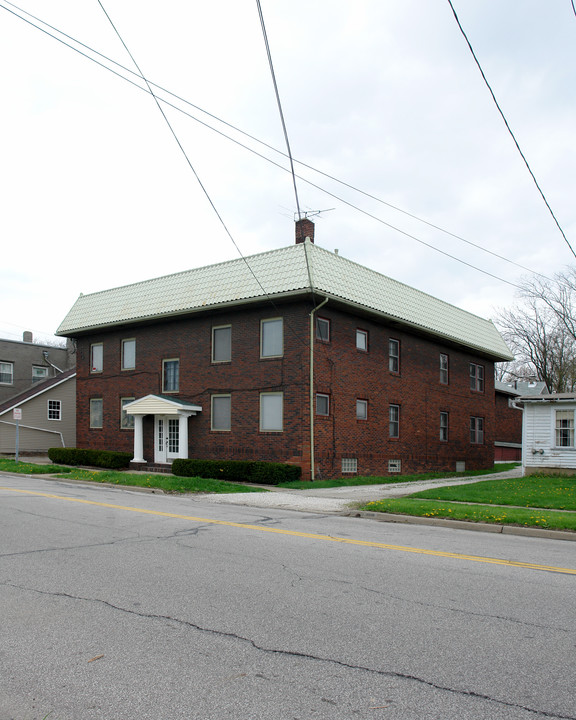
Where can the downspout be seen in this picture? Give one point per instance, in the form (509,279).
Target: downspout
(314,310)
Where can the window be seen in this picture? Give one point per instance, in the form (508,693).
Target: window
(394,421)
(96,358)
(361,409)
(271,411)
(222,344)
(128,354)
(96,413)
(322,329)
(322,404)
(444,368)
(394,466)
(6,373)
(564,428)
(271,338)
(476,430)
(476,377)
(221,412)
(170,375)
(361,340)
(444,426)
(39,373)
(349,465)
(54,410)
(394,355)
(126,421)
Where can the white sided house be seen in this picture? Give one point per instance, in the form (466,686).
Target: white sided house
(548,434)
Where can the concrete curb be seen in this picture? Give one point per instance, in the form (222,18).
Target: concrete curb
(463,525)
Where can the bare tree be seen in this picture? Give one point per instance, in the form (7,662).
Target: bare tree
(541,332)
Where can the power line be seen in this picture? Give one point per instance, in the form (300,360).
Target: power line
(351,205)
(204,190)
(508,126)
(270,63)
(251,137)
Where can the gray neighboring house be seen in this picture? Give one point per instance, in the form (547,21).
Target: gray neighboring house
(48,411)
(25,364)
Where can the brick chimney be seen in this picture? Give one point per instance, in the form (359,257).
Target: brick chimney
(304,229)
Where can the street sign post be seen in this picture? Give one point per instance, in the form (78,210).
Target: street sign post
(17,416)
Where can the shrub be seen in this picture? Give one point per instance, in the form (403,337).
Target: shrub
(259,473)
(91,458)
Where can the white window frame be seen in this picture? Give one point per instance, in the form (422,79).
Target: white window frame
(39,377)
(393,421)
(97,357)
(164,375)
(129,356)
(322,400)
(394,355)
(270,348)
(126,421)
(476,377)
(54,410)
(217,346)
(476,430)
(214,413)
(322,329)
(7,369)
(361,340)
(272,403)
(564,428)
(444,368)
(361,409)
(444,425)
(96,415)
(394,466)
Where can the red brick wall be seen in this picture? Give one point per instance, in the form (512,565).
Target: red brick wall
(349,374)
(508,420)
(341,371)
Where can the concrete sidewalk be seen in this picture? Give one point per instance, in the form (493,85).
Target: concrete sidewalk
(340,499)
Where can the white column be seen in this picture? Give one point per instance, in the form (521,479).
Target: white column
(138,439)
(183,436)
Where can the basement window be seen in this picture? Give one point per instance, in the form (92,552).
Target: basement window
(394,466)
(349,465)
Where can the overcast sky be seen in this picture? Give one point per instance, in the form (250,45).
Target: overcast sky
(383,95)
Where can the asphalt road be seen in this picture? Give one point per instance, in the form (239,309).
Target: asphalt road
(117,605)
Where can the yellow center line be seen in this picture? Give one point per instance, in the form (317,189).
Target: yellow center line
(309,536)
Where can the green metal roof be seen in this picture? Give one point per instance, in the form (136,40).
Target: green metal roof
(294,270)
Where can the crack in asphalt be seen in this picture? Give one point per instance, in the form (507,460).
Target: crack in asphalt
(297,654)
(503,618)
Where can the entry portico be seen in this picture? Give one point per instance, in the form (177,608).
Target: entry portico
(170,426)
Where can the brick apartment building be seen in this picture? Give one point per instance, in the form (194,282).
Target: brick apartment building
(295,355)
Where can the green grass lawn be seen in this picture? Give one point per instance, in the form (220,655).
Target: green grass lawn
(167,483)
(543,501)
(554,492)
(26,468)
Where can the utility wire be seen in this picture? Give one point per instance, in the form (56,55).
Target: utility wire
(248,135)
(349,204)
(185,154)
(196,174)
(508,126)
(270,63)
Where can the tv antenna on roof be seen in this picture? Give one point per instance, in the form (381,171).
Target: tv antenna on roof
(311,214)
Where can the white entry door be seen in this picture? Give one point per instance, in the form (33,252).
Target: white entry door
(167,438)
